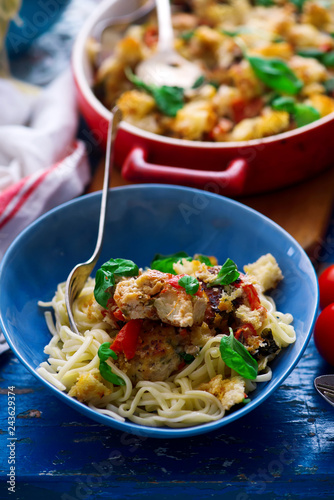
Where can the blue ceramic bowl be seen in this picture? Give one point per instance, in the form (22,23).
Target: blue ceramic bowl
(144,220)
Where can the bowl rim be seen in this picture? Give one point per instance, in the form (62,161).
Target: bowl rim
(128,426)
(78,57)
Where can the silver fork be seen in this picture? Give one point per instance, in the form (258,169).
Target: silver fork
(79,274)
(325,387)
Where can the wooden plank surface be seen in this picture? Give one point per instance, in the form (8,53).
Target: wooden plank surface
(303,210)
(282,450)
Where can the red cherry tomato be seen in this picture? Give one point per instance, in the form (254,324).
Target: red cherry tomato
(326,286)
(324,334)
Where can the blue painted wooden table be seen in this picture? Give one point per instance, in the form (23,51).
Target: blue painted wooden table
(284,449)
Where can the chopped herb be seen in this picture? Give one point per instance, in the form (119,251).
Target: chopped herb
(326,58)
(187,35)
(104,353)
(190,284)
(203,258)
(105,277)
(329,85)
(236,357)
(276,74)
(303,114)
(284,104)
(227,274)
(200,80)
(311,52)
(265,3)
(215,84)
(236,32)
(243,30)
(164,263)
(299,4)
(168,99)
(187,358)
(245,401)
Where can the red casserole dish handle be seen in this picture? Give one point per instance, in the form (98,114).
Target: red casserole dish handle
(229,182)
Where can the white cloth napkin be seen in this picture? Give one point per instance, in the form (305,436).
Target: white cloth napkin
(41,163)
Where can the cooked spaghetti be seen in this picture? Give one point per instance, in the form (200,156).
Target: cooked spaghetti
(175,345)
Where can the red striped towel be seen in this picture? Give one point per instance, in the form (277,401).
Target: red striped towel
(34,195)
(41,164)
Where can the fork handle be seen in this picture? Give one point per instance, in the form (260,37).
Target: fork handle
(116,117)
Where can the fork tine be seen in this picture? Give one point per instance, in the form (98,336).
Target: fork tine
(327,388)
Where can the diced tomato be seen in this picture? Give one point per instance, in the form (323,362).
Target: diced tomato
(220,130)
(252,296)
(127,338)
(118,315)
(245,331)
(181,365)
(326,47)
(151,36)
(246,109)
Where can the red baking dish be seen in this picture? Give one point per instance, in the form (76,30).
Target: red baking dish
(229,168)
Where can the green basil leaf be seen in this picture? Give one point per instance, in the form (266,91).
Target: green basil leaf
(276,74)
(124,267)
(328,59)
(137,81)
(299,4)
(243,30)
(265,3)
(104,281)
(200,80)
(164,263)
(284,103)
(105,277)
(168,99)
(187,358)
(105,352)
(187,35)
(107,374)
(305,114)
(311,52)
(302,113)
(204,259)
(215,84)
(227,274)
(190,284)
(329,85)
(236,356)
